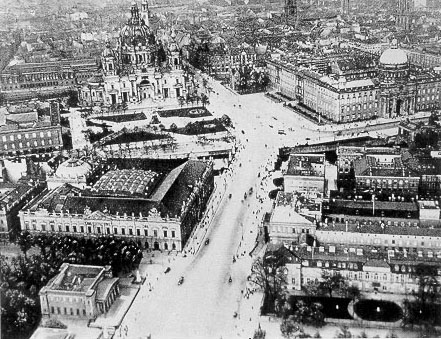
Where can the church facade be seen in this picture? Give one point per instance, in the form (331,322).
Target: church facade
(140,68)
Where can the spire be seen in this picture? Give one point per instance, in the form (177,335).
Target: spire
(134,11)
(145,12)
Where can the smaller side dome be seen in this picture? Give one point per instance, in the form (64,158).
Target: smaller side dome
(73,168)
(108,51)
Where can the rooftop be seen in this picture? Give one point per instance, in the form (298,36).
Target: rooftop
(370,255)
(166,196)
(127,182)
(11,193)
(379,205)
(284,211)
(306,164)
(77,278)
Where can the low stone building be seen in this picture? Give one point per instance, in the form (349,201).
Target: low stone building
(285,224)
(305,173)
(79,292)
(368,268)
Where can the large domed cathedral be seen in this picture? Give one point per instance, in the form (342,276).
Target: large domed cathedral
(139,68)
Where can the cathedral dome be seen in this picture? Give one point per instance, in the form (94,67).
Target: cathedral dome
(73,168)
(394,57)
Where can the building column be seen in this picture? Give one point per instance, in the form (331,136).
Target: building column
(412,106)
(386,107)
(394,107)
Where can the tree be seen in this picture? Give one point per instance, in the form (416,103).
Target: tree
(189,99)
(289,328)
(181,101)
(309,313)
(25,242)
(196,98)
(428,285)
(54,323)
(353,292)
(204,82)
(312,288)
(155,120)
(333,282)
(433,119)
(282,305)
(72,100)
(204,99)
(269,273)
(124,106)
(226,120)
(173,127)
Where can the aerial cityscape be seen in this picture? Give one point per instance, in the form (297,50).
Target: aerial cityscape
(220,169)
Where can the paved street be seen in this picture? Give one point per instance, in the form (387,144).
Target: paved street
(203,306)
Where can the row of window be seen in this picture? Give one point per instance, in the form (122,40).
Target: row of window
(366,239)
(28,144)
(100,230)
(66,299)
(71,312)
(359,107)
(26,136)
(428,98)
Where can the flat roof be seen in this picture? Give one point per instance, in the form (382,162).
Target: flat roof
(76,278)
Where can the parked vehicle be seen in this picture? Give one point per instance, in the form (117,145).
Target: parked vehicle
(167,270)
(207,241)
(181,281)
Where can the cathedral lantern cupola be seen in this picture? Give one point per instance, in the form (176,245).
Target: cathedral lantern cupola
(134,14)
(109,60)
(174,54)
(145,12)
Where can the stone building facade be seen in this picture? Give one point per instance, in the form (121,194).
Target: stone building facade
(159,213)
(79,292)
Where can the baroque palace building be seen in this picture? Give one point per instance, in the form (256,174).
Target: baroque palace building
(140,67)
(159,210)
(359,87)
